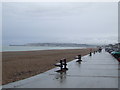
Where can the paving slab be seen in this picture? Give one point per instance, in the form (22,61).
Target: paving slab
(97,71)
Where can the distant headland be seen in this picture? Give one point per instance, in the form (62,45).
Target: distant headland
(55,44)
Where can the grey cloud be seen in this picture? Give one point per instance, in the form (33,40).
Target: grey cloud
(60,22)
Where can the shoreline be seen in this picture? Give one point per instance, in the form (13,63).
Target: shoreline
(45,50)
(18,65)
(30,48)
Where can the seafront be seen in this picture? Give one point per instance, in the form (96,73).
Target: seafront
(43,44)
(23,64)
(97,71)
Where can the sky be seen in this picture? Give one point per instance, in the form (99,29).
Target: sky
(60,22)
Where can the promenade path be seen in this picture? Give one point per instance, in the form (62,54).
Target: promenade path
(97,71)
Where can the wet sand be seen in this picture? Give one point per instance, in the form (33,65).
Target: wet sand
(23,64)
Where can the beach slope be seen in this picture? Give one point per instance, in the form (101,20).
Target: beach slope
(23,64)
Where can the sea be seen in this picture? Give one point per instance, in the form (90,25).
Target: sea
(33,48)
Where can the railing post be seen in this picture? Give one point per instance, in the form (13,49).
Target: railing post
(79,58)
(61,65)
(90,54)
(65,64)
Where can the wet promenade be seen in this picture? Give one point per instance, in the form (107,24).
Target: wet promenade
(97,71)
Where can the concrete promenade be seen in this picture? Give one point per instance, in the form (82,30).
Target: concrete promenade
(97,71)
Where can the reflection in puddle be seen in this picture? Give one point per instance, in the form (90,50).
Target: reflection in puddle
(61,76)
(78,64)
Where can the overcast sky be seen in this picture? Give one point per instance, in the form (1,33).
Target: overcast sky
(85,23)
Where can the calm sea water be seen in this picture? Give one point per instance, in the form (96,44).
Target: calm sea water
(32,48)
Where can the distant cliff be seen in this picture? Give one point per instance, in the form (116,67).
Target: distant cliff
(56,45)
